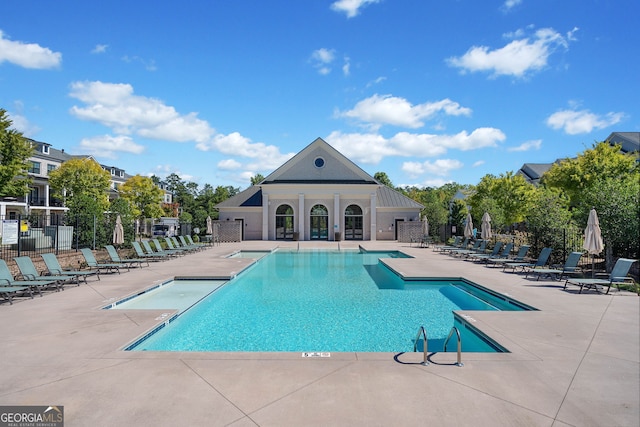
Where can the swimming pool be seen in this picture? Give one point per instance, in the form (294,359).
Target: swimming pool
(325,301)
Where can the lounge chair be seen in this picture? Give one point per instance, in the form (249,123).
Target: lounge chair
(149,256)
(93,263)
(520,257)
(185,244)
(540,262)
(54,267)
(478,248)
(28,272)
(161,252)
(160,249)
(618,276)
(130,262)
(570,267)
(503,253)
(171,246)
(454,247)
(177,245)
(10,288)
(202,245)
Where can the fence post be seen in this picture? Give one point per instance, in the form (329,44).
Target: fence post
(77,234)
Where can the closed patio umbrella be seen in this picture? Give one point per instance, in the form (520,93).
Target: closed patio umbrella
(209,226)
(425,226)
(468,227)
(486,226)
(118,232)
(593,243)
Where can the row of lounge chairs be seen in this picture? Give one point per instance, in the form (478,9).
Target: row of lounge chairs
(29,281)
(570,271)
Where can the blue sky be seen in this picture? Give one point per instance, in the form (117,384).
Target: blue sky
(216,91)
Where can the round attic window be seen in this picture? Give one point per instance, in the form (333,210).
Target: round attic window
(319,162)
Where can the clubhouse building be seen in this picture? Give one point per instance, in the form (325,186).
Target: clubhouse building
(318,194)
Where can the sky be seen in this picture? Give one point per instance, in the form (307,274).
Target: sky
(428,92)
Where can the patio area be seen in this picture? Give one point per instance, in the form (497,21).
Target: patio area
(575,362)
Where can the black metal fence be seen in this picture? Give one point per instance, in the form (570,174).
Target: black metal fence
(30,235)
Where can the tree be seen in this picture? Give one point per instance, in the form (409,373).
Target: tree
(577,176)
(15,151)
(144,196)
(383,179)
(506,198)
(257,179)
(81,177)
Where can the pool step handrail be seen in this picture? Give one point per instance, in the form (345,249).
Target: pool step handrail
(454,329)
(422,332)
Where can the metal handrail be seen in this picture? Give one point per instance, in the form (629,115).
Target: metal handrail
(454,329)
(422,332)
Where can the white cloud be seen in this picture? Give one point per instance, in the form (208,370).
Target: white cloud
(574,122)
(108,145)
(149,64)
(28,55)
(441,167)
(518,58)
(100,48)
(386,109)
(370,148)
(267,157)
(322,58)
(510,4)
(114,105)
(346,67)
(527,146)
(229,165)
(22,125)
(351,7)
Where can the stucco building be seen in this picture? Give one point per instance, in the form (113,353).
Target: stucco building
(319,194)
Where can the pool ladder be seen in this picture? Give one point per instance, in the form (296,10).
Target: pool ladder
(422,333)
(454,329)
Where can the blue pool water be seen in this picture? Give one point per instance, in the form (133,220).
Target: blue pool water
(323,301)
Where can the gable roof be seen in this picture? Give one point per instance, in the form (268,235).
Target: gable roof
(629,141)
(390,198)
(334,168)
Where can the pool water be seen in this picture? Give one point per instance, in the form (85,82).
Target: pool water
(323,301)
(172,294)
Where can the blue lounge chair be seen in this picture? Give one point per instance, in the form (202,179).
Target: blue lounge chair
(171,247)
(93,263)
(618,275)
(54,268)
(502,255)
(185,244)
(28,271)
(520,257)
(161,253)
(570,267)
(160,249)
(455,245)
(149,256)
(130,262)
(478,248)
(540,262)
(10,288)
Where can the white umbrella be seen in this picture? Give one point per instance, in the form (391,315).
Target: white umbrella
(486,226)
(209,226)
(593,243)
(425,225)
(118,232)
(468,227)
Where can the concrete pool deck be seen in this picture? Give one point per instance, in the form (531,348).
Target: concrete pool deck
(575,362)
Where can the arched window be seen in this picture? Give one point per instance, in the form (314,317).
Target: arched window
(284,222)
(353,223)
(319,223)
